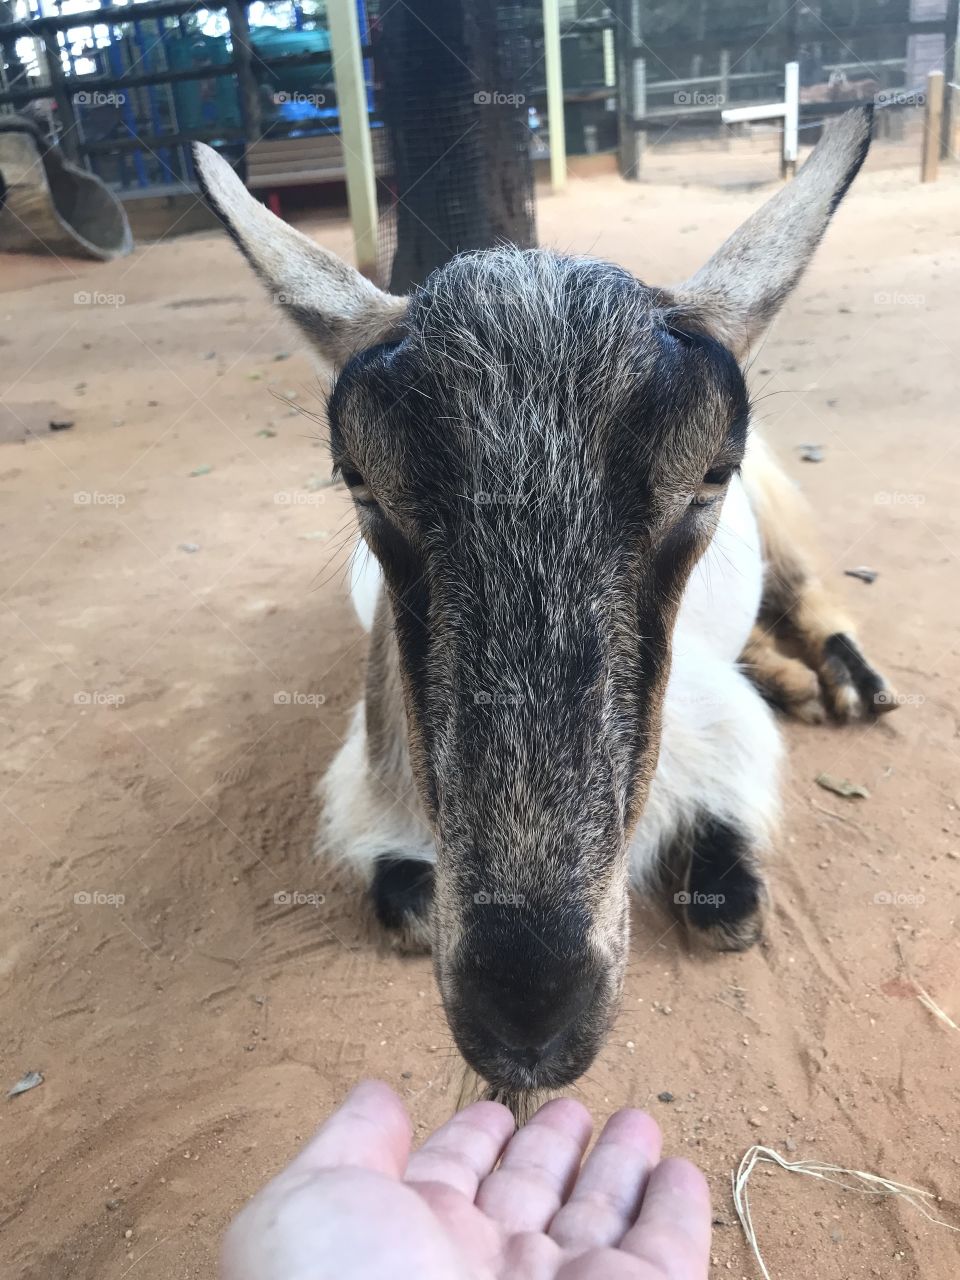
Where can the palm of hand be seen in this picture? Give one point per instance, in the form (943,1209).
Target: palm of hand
(476,1202)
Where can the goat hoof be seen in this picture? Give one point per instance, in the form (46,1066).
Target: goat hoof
(401,894)
(731,935)
(851,687)
(725,900)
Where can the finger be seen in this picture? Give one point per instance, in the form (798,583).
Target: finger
(465,1149)
(673,1229)
(371,1130)
(538,1167)
(606,1199)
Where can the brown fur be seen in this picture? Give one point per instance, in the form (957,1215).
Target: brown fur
(799,615)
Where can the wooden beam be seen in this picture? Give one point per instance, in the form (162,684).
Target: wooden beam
(554,95)
(555,121)
(950,135)
(248,91)
(932,121)
(354,130)
(791,119)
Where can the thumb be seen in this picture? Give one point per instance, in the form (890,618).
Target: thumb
(370,1130)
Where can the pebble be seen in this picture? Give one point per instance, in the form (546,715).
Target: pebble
(128,1234)
(665,1096)
(189,547)
(789,1144)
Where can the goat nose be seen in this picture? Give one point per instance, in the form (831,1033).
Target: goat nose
(528,1017)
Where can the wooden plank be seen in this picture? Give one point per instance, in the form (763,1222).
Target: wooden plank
(791,119)
(354,130)
(555,120)
(247,89)
(932,122)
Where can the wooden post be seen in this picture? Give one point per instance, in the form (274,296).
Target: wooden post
(555,120)
(354,130)
(724,86)
(932,120)
(626,42)
(69,138)
(640,111)
(950,135)
(248,91)
(791,119)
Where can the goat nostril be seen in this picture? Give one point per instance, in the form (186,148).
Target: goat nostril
(531,1056)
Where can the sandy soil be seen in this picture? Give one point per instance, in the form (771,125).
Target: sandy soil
(191,1035)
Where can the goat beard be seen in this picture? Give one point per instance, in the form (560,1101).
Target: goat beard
(521,1103)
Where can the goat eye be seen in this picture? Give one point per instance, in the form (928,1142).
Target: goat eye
(712,482)
(358,487)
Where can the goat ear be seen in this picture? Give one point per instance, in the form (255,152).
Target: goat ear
(340,311)
(738,292)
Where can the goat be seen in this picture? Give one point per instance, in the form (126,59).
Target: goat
(585,571)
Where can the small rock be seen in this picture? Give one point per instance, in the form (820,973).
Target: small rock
(282,355)
(28,1081)
(128,1234)
(789,1144)
(113,1204)
(665,1096)
(842,787)
(61,426)
(189,547)
(267,432)
(756,1122)
(406,1075)
(863,573)
(202,470)
(811,452)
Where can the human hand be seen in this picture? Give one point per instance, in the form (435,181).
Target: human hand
(356,1205)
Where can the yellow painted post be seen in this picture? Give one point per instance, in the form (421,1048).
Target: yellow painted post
(557,131)
(931,127)
(354,130)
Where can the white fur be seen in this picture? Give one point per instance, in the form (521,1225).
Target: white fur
(720,748)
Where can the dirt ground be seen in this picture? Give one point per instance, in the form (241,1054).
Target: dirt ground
(180,661)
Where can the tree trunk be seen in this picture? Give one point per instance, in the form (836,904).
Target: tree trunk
(457,127)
